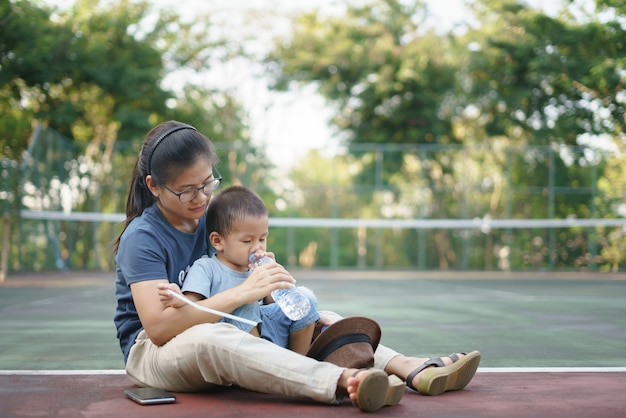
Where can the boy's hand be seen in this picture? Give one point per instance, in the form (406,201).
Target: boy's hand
(166,297)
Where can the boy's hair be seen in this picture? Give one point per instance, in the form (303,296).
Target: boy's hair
(233,204)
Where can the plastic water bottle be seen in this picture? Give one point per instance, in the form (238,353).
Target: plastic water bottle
(294,304)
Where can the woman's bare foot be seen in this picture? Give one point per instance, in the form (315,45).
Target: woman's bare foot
(349,382)
(354,380)
(368,389)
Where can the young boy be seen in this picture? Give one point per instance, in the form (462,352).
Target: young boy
(237,225)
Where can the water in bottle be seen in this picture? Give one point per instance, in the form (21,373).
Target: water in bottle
(294,304)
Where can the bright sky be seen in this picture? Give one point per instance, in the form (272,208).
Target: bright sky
(289,124)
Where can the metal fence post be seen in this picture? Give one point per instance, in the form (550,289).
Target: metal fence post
(4,263)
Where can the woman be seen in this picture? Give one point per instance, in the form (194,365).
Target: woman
(185,349)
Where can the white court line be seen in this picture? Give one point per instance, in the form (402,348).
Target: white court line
(480,370)
(552,369)
(60,372)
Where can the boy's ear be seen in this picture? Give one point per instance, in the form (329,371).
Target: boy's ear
(216,240)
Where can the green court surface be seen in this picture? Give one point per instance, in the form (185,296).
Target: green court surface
(63,321)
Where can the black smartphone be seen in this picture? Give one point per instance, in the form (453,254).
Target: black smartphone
(150,396)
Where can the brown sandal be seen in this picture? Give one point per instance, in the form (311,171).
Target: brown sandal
(442,378)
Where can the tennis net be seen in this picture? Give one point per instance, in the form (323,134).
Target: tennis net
(82,240)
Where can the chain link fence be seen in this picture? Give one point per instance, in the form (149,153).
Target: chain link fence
(403,207)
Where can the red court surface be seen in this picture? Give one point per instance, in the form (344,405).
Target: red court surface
(491,394)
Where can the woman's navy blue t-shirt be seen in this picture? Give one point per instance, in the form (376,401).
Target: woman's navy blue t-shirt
(150,248)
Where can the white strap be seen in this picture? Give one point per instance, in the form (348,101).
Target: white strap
(209,310)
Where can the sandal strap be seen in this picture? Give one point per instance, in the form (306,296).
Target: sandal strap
(435,361)
(455,357)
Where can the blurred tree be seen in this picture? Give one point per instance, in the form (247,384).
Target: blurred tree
(385,75)
(56,66)
(554,82)
(385,79)
(95,73)
(529,79)
(390,80)
(611,186)
(241,162)
(554,78)
(319,187)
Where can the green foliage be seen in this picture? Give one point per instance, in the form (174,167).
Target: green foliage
(555,78)
(503,120)
(100,65)
(59,67)
(384,80)
(519,78)
(73,82)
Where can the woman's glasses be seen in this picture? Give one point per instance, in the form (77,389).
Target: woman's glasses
(207,188)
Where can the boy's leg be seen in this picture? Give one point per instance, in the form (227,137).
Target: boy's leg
(275,325)
(300,341)
(295,335)
(301,331)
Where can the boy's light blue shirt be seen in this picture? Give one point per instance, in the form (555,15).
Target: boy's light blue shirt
(208,277)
